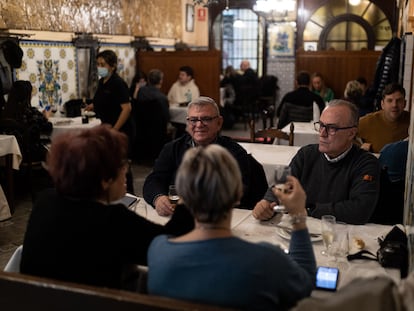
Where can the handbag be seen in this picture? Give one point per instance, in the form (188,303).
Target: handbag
(392,253)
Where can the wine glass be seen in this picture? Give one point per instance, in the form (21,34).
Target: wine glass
(173,195)
(328,232)
(281,172)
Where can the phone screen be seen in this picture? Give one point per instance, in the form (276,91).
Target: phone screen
(327,278)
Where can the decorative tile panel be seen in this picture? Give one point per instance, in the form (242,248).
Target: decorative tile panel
(52,70)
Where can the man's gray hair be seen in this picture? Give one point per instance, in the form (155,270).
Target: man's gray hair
(353,109)
(204,101)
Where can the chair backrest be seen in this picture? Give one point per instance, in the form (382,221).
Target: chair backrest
(295,113)
(390,206)
(267,136)
(24,292)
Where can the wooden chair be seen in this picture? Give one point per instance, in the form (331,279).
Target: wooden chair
(24,292)
(267,136)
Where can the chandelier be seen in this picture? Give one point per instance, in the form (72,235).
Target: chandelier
(267,6)
(205,2)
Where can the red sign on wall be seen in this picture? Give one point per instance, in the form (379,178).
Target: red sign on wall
(201,14)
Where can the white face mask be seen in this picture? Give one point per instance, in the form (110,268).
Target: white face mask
(103,72)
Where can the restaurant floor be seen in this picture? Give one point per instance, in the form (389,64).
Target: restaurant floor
(12,231)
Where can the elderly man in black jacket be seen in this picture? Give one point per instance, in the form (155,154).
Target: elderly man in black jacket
(203,126)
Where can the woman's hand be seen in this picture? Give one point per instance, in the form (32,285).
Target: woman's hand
(294,200)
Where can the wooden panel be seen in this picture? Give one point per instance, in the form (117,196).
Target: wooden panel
(206,65)
(25,292)
(339,67)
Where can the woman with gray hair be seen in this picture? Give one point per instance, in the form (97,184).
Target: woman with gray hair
(209,265)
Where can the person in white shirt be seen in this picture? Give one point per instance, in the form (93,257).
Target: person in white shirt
(184,90)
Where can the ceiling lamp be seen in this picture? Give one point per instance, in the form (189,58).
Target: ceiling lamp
(205,2)
(267,6)
(354,2)
(238,23)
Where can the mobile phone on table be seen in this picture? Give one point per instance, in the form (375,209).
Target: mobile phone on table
(327,278)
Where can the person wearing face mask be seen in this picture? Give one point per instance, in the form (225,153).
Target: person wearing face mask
(111,102)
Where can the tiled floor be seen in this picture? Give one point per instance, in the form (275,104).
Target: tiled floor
(12,231)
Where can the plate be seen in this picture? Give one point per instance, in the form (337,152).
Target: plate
(313,224)
(90,113)
(62,122)
(286,235)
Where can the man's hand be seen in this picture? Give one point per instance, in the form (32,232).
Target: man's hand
(89,107)
(263,210)
(366,146)
(163,206)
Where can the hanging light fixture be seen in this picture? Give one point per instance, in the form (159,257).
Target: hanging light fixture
(354,2)
(205,3)
(267,6)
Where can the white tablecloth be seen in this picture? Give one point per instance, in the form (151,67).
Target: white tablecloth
(270,155)
(61,125)
(178,114)
(8,146)
(245,226)
(304,134)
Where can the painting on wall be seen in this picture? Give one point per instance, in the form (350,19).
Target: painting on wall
(51,68)
(281,40)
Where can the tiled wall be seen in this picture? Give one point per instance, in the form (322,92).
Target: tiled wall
(58,75)
(284,70)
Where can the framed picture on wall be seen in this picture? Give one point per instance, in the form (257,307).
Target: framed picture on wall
(189,18)
(281,40)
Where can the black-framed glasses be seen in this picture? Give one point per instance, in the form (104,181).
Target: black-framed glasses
(203,120)
(330,129)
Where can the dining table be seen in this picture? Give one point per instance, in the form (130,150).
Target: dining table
(276,232)
(11,156)
(62,124)
(269,155)
(304,132)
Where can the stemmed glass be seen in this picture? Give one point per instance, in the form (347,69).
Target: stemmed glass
(281,172)
(328,232)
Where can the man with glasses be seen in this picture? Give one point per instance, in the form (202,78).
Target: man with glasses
(387,125)
(339,178)
(203,126)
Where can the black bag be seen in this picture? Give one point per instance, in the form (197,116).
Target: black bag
(393,251)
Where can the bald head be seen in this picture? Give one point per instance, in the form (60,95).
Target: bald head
(244,65)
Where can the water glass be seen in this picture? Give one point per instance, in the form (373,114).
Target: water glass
(340,243)
(328,232)
(281,172)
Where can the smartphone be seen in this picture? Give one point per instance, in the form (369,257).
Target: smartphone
(327,278)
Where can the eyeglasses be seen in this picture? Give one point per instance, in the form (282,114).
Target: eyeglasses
(203,120)
(330,129)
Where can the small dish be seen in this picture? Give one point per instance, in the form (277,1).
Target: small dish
(90,113)
(283,229)
(286,234)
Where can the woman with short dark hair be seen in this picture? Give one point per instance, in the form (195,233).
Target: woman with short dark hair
(75,232)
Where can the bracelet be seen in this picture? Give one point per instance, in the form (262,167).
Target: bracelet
(297,219)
